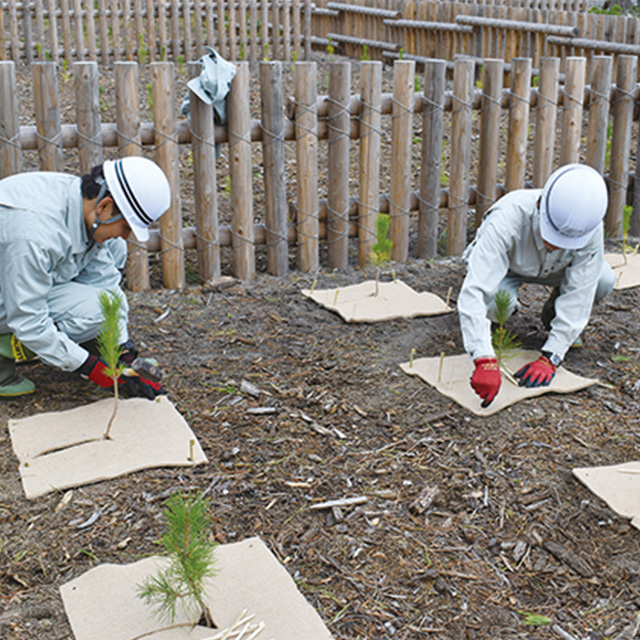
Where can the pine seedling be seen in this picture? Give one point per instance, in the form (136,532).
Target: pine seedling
(191,561)
(504,342)
(109,345)
(381,250)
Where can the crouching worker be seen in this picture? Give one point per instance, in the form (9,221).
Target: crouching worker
(553,237)
(62,242)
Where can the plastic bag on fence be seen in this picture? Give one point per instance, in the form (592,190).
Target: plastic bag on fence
(212,85)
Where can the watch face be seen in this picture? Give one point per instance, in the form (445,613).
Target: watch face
(555,360)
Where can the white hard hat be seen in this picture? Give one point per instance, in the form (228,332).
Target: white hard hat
(140,190)
(573,203)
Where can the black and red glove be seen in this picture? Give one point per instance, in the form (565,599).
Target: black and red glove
(486,379)
(538,373)
(94,369)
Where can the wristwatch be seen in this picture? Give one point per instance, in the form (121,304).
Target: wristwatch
(553,358)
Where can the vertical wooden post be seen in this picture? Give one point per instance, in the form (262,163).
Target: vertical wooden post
(600,89)
(518,123)
(151,31)
(77,21)
(240,168)
(253,31)
(339,122)
(174,23)
(222,34)
(89,123)
(273,153)
(265,54)
(166,141)
(546,113)
(460,155)
(139,30)
(623,103)
(47,107)
(286,30)
(306,28)
(210,22)
(275,30)
(401,130)
(89,13)
(27,35)
(492,79)
(162,32)
(103,29)
(129,144)
(206,195)
(243,54)
(40,37)
(369,171)
(188,36)
(115,29)
(575,70)
(297,37)
(306,132)
(13,28)
(431,165)
(10,145)
(233,35)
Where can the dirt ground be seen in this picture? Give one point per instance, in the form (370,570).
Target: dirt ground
(469,523)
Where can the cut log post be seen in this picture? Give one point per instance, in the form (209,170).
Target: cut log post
(47,107)
(167,156)
(599,106)
(461,119)
(306,126)
(88,119)
(492,81)
(10,147)
(240,169)
(338,121)
(518,123)
(431,166)
(546,114)
(273,152)
(575,73)
(369,171)
(401,134)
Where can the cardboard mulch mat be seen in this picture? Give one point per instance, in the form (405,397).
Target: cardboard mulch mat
(451,376)
(626,269)
(66,449)
(358,302)
(618,485)
(102,604)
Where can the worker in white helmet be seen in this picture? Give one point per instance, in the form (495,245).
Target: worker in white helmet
(62,242)
(551,236)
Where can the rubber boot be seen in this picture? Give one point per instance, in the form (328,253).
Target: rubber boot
(11,347)
(11,384)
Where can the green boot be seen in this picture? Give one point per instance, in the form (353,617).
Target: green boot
(11,347)
(11,384)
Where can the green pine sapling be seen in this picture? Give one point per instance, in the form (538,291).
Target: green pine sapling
(504,342)
(191,562)
(381,250)
(109,345)
(627,210)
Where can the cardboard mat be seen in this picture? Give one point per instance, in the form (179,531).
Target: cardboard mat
(618,485)
(66,449)
(451,377)
(358,302)
(102,604)
(627,271)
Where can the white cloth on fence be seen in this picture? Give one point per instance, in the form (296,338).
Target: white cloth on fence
(50,273)
(212,85)
(508,247)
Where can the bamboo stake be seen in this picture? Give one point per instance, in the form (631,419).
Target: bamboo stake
(240,168)
(273,145)
(307,159)
(128,125)
(10,148)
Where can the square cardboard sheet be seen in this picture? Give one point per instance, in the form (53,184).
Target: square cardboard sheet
(453,381)
(358,302)
(102,604)
(66,449)
(618,485)
(627,272)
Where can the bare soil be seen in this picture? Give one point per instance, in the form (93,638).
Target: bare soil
(470,523)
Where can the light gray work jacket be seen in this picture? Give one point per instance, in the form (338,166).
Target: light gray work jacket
(43,243)
(508,243)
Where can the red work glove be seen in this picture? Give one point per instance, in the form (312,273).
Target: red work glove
(486,380)
(536,374)
(95,369)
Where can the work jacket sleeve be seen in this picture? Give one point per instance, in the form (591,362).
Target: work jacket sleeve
(577,292)
(26,283)
(488,263)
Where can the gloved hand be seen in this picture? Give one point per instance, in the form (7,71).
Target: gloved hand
(538,373)
(137,387)
(95,369)
(486,380)
(129,352)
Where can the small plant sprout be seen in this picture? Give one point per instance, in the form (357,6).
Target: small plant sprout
(381,250)
(181,584)
(504,342)
(109,341)
(627,210)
